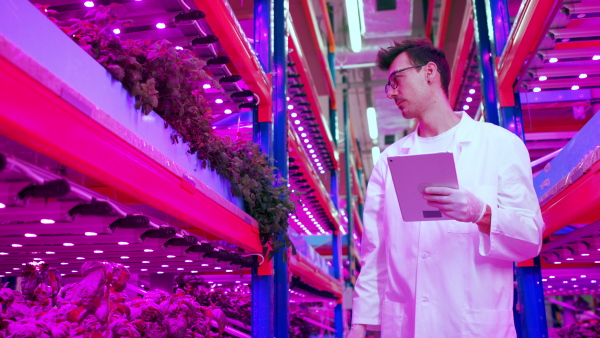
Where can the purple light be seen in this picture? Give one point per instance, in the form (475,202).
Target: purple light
(314,155)
(89,4)
(218,101)
(311,151)
(466,107)
(290,106)
(553,60)
(161,25)
(582,76)
(471,91)
(300,128)
(575,87)
(117,31)
(306,140)
(596,57)
(537,89)
(297,122)
(543,78)
(206,86)
(294,115)
(228,111)
(309,146)
(469,99)
(287,98)
(303,134)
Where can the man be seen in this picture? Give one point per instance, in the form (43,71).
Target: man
(445,279)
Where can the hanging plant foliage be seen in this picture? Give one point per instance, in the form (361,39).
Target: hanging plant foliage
(169,82)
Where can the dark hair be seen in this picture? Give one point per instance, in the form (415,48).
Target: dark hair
(419,51)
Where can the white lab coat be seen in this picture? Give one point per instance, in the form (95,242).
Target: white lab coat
(445,278)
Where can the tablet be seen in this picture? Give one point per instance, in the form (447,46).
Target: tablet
(411,174)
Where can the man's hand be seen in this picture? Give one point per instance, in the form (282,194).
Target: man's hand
(357,331)
(458,204)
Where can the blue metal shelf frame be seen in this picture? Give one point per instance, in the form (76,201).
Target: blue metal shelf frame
(493,15)
(263,286)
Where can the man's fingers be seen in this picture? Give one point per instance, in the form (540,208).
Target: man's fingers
(441,206)
(445,191)
(437,198)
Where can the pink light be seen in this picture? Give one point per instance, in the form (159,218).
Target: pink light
(596,57)
(575,87)
(537,89)
(117,31)
(170,256)
(123,243)
(124,257)
(30,235)
(159,272)
(582,76)
(88,4)
(309,146)
(469,99)
(228,111)
(306,140)
(466,107)
(2,205)
(161,25)
(303,134)
(290,106)
(471,91)
(206,86)
(300,128)
(47,221)
(89,233)
(553,60)
(178,47)
(294,115)
(543,78)
(297,122)
(50,252)
(148,250)
(143,269)
(98,251)
(218,101)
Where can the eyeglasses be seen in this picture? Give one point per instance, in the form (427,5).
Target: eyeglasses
(394,85)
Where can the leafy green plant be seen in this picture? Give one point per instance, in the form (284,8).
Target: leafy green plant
(169,82)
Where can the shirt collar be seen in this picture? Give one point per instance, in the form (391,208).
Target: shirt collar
(463,132)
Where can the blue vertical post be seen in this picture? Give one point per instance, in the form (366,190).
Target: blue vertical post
(280,151)
(492,26)
(336,241)
(263,10)
(263,286)
(347,154)
(486,63)
(531,299)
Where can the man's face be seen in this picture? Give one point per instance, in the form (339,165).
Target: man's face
(411,91)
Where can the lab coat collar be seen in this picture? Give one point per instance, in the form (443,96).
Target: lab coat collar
(463,132)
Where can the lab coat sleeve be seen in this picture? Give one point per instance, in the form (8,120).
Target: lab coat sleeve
(371,283)
(517,224)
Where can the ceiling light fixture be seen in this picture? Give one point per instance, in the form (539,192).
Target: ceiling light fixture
(537,89)
(471,91)
(582,76)
(30,235)
(170,256)
(80,258)
(596,57)
(352,12)
(375,153)
(123,243)
(98,251)
(469,99)
(372,122)
(228,111)
(16,245)
(543,78)
(90,233)
(553,60)
(88,4)
(575,87)
(47,221)
(148,250)
(2,205)
(161,25)
(124,257)
(117,31)
(50,252)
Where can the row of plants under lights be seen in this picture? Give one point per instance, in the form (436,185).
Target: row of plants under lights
(169,81)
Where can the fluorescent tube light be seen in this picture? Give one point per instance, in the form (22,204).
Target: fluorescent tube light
(375,152)
(354,25)
(372,121)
